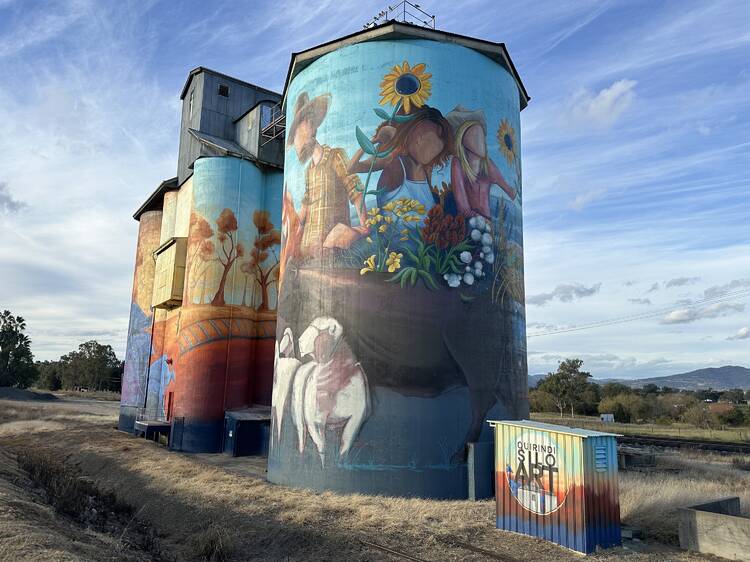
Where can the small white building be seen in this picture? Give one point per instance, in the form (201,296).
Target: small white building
(607,418)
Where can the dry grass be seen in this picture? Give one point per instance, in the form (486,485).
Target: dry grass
(677,429)
(650,500)
(191,502)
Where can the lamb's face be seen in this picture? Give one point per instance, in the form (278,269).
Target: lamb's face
(320,339)
(286,344)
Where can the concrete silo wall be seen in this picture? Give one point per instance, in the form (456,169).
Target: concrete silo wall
(401,311)
(141,319)
(221,357)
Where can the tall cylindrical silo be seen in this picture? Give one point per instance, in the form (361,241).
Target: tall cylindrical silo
(141,321)
(401,316)
(228,317)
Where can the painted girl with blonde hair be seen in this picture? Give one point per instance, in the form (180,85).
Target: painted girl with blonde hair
(472,170)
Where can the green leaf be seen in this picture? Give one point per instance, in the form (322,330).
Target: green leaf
(396,277)
(413,276)
(428,280)
(364,141)
(466,298)
(385,153)
(384,115)
(411,255)
(403,118)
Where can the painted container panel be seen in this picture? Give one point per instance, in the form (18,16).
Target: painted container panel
(227,322)
(557,483)
(140,327)
(401,312)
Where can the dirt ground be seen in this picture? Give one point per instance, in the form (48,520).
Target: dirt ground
(182,496)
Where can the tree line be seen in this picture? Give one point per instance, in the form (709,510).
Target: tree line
(569,390)
(93,366)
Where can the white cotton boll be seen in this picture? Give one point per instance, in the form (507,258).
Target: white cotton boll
(486,250)
(453,279)
(465,257)
(490,258)
(478,265)
(473,222)
(445,276)
(486,239)
(467,268)
(480,223)
(476,235)
(468,278)
(481,255)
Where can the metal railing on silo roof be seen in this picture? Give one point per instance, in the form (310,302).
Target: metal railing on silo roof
(272,124)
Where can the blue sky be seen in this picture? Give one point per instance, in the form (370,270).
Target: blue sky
(636,159)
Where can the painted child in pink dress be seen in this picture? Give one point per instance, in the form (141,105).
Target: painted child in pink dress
(472,171)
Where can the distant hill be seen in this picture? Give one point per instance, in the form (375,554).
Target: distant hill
(718,378)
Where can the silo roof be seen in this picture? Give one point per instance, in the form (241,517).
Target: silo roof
(399,30)
(156,199)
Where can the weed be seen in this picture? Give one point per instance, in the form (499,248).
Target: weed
(213,544)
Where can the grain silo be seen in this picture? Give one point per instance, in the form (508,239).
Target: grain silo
(401,305)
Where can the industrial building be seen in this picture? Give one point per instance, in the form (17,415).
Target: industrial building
(335,275)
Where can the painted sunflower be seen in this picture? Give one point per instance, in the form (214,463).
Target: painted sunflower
(506,136)
(410,86)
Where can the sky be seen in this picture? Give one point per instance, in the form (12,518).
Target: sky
(636,160)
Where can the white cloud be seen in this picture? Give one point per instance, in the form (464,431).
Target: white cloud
(8,203)
(600,110)
(721,290)
(564,293)
(583,199)
(686,315)
(681,281)
(640,301)
(742,334)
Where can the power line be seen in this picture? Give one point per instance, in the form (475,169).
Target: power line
(602,323)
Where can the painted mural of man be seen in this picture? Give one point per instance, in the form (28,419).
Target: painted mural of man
(323,220)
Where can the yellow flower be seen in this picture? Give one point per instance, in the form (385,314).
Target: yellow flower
(374,211)
(389,219)
(394,261)
(369,240)
(506,136)
(383,228)
(410,86)
(389,206)
(369,265)
(404,231)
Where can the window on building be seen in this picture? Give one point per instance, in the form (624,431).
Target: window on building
(224,90)
(192,97)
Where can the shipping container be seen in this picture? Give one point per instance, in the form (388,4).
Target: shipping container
(557,483)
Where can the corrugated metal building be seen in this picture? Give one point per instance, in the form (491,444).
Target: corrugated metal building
(557,483)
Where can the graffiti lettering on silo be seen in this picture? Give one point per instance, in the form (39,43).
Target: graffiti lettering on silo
(401,309)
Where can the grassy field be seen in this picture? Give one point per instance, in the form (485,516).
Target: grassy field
(203,511)
(680,430)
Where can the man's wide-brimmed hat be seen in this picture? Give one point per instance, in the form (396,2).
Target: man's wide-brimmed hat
(313,110)
(460,115)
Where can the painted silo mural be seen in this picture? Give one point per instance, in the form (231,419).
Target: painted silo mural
(401,309)
(141,318)
(218,349)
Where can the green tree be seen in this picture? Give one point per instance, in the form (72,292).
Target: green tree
(16,360)
(650,388)
(50,375)
(93,366)
(735,396)
(614,388)
(541,401)
(566,385)
(698,416)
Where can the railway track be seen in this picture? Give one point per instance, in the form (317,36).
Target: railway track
(671,442)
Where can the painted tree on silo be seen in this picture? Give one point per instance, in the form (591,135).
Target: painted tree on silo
(263,248)
(229,250)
